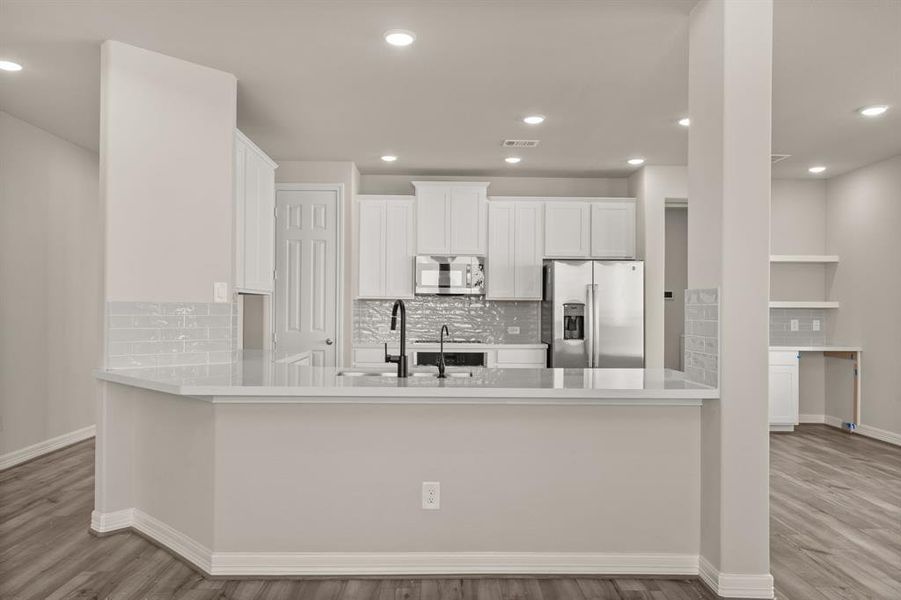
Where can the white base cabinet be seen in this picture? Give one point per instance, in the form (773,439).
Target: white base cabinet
(784,390)
(515,250)
(254,217)
(386,243)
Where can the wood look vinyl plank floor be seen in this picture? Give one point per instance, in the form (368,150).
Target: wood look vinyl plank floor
(835,535)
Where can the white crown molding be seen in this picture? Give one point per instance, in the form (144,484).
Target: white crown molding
(287,564)
(734,585)
(16,457)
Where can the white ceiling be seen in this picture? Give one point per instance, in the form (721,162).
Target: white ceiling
(316,81)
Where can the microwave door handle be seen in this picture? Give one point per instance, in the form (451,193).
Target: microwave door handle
(468,276)
(589,323)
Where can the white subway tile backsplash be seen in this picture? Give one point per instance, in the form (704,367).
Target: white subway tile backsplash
(147,334)
(702,335)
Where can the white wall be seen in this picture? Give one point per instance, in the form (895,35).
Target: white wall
(652,186)
(504,186)
(345,173)
(50,268)
(166,175)
(863,226)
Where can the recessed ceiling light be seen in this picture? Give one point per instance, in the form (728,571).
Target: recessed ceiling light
(389,158)
(8,65)
(533,119)
(873,111)
(685,122)
(636,161)
(400,37)
(817,170)
(512,160)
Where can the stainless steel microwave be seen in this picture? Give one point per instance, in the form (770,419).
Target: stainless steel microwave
(450,275)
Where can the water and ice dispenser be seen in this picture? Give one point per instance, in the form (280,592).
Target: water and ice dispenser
(574,321)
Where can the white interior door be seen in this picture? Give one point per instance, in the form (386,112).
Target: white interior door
(306,263)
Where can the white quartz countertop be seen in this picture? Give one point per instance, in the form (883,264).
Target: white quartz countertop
(450,346)
(262,377)
(824,348)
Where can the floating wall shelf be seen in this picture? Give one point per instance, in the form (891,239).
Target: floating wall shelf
(795,304)
(803,258)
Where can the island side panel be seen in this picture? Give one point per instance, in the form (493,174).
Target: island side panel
(347,478)
(162,446)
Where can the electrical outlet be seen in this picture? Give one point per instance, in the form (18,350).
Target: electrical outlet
(431,495)
(220,292)
(794,324)
(514,330)
(816,324)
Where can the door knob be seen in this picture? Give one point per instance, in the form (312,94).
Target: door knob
(329,341)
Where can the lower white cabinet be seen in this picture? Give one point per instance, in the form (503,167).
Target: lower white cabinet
(515,250)
(784,394)
(386,247)
(254,217)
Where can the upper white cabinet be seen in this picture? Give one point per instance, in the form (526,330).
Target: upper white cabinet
(254,217)
(567,229)
(784,390)
(515,249)
(613,229)
(386,247)
(603,228)
(451,217)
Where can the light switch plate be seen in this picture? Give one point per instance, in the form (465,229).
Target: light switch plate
(220,292)
(513,330)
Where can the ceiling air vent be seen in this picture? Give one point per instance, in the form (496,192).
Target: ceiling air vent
(520,143)
(774,158)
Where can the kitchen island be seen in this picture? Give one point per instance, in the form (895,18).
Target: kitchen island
(277,469)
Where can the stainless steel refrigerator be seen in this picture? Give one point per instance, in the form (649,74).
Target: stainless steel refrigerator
(592,315)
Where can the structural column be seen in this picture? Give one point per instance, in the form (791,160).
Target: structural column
(730,89)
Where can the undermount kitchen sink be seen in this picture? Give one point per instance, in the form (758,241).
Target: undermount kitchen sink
(455,375)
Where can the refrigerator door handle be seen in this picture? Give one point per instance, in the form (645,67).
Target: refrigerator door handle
(589,323)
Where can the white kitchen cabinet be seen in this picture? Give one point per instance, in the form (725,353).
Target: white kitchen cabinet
(613,229)
(254,217)
(783,392)
(451,218)
(567,229)
(385,247)
(515,250)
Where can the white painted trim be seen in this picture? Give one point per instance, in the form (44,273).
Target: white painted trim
(797,304)
(832,421)
(804,258)
(782,427)
(255,148)
(811,418)
(451,563)
(340,258)
(287,564)
(879,434)
(735,585)
(11,459)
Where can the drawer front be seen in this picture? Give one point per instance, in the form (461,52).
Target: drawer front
(521,357)
(784,358)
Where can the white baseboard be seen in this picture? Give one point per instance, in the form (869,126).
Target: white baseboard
(16,457)
(832,421)
(735,585)
(288,564)
(879,434)
(818,419)
(451,563)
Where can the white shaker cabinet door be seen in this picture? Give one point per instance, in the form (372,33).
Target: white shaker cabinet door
(501,260)
(255,217)
(528,249)
(399,248)
(468,215)
(433,219)
(567,229)
(613,229)
(784,390)
(371,266)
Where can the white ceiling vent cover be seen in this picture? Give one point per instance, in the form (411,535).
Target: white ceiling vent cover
(520,143)
(774,158)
